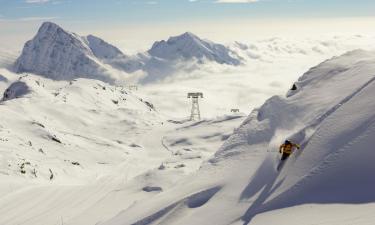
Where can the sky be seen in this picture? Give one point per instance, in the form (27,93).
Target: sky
(135,24)
(135,11)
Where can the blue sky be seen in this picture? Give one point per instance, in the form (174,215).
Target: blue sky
(137,11)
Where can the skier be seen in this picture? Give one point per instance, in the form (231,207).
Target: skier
(294,87)
(286,149)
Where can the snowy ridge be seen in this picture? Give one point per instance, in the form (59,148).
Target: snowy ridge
(333,167)
(103,50)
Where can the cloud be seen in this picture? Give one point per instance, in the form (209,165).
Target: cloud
(36,18)
(237,1)
(27,19)
(37,1)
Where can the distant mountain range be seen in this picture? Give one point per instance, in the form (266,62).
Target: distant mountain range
(62,55)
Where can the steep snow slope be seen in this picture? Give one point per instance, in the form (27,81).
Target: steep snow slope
(335,163)
(331,115)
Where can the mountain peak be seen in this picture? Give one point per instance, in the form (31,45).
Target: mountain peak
(185,37)
(190,46)
(58,54)
(48,28)
(48,25)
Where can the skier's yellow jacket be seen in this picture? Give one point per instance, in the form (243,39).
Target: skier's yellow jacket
(288,148)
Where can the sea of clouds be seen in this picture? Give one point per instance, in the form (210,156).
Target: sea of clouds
(271,66)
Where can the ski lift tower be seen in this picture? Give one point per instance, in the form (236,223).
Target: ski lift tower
(195,113)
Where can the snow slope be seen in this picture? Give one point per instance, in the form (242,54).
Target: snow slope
(53,123)
(331,115)
(79,152)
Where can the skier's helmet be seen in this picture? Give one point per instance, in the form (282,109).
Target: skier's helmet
(287,142)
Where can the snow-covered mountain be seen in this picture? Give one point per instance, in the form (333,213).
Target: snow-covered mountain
(183,54)
(62,55)
(188,46)
(180,54)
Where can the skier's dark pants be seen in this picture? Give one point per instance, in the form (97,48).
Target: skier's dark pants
(284,156)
